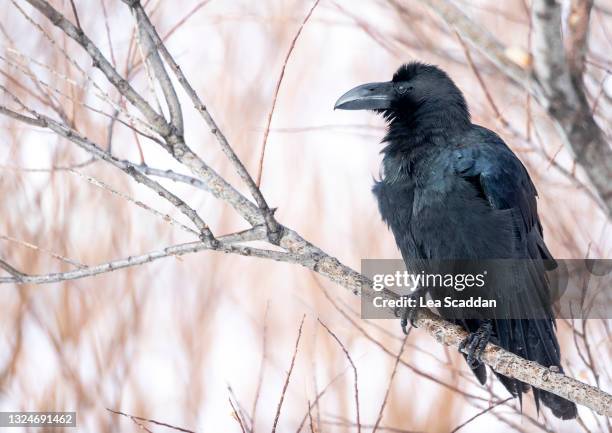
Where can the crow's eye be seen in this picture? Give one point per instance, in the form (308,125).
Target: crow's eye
(402,88)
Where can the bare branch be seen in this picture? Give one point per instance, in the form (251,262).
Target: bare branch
(21,117)
(505,362)
(153,58)
(130,169)
(564,91)
(514,366)
(577,35)
(100,62)
(19,277)
(177,177)
(274,228)
(175,144)
(549,55)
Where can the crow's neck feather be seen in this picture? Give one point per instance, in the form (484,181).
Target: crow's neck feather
(414,133)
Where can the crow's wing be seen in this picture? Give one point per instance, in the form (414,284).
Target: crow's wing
(500,178)
(504,180)
(487,163)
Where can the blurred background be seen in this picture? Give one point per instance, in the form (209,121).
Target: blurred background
(175,340)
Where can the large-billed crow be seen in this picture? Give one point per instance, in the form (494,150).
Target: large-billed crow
(451,189)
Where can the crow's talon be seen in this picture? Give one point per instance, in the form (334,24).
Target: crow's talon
(397,312)
(475,344)
(408,315)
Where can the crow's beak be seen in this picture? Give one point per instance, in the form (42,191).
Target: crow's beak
(371,96)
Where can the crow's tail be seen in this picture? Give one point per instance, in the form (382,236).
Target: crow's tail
(542,347)
(535,340)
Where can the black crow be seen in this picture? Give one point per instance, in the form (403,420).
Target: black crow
(450,189)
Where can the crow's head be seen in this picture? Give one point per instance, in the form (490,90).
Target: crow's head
(413,86)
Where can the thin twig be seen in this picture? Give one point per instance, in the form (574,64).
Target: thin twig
(483,86)
(350,360)
(151,57)
(18,276)
(310,417)
(136,66)
(241,410)
(384,403)
(318,397)
(275,96)
(347,423)
(76,15)
(44,250)
(236,416)
(100,94)
(152,421)
(262,366)
(282,397)
(108,33)
(138,203)
(482,412)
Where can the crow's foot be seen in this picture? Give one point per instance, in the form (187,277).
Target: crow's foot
(475,344)
(408,314)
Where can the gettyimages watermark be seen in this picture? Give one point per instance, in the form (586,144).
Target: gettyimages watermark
(490,289)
